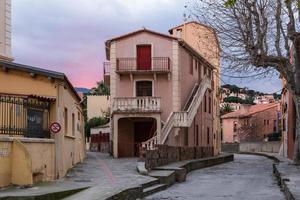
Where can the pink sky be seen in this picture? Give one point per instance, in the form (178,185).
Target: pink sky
(69,37)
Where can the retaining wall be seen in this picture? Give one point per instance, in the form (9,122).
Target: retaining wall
(164,154)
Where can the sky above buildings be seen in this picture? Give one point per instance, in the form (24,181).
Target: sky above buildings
(69,35)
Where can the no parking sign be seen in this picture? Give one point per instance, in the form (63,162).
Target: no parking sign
(55,127)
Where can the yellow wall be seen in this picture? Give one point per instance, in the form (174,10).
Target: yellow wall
(97,106)
(5,163)
(42,155)
(15,82)
(21,173)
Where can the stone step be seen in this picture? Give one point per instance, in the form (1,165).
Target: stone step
(153,189)
(151,183)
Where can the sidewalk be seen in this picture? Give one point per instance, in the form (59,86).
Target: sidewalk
(287,173)
(99,176)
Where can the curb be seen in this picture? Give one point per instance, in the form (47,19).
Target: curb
(280,180)
(282,183)
(47,196)
(276,160)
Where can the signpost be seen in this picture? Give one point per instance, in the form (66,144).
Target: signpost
(55,127)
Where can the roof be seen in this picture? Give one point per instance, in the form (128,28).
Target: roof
(39,71)
(250,111)
(181,42)
(108,42)
(200,24)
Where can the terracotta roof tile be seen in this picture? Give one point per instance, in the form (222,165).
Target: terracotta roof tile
(250,111)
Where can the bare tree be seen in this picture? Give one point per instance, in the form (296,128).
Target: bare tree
(257,35)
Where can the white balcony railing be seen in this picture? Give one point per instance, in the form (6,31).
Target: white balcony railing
(136,104)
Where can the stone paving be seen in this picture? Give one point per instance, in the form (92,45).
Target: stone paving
(107,175)
(247,177)
(104,175)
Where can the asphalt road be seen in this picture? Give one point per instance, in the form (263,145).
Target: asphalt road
(247,177)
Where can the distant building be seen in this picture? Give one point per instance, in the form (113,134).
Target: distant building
(100,138)
(234,106)
(264,99)
(251,123)
(98,106)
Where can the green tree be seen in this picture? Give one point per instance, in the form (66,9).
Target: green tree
(94,122)
(226,108)
(100,89)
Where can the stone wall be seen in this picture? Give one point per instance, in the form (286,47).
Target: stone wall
(164,154)
(269,147)
(230,147)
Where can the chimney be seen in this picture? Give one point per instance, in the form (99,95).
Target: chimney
(5,30)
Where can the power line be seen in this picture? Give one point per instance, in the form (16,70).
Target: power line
(249,76)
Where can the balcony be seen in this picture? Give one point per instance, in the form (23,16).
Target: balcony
(159,65)
(106,73)
(136,104)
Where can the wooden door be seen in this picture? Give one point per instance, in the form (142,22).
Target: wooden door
(144,57)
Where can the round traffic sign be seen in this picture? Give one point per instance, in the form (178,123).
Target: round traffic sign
(55,127)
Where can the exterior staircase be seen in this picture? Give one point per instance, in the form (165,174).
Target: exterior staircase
(186,117)
(182,118)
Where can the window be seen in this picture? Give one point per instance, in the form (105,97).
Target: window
(205,104)
(284,124)
(234,126)
(265,122)
(66,120)
(73,124)
(208,135)
(178,33)
(205,70)
(275,126)
(78,116)
(268,122)
(197,135)
(209,73)
(209,105)
(143,88)
(191,64)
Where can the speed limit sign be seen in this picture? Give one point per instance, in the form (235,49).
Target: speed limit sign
(55,127)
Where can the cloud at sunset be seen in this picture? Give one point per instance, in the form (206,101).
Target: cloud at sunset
(68,36)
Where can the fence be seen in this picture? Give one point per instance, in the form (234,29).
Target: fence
(164,154)
(28,117)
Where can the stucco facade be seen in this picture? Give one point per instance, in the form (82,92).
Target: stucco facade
(97,106)
(172,82)
(49,156)
(288,122)
(251,123)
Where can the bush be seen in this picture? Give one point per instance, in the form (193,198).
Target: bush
(94,122)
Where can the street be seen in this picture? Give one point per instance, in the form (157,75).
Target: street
(248,177)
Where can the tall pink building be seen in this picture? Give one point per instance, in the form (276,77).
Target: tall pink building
(164,89)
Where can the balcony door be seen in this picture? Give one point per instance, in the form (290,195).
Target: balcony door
(143,57)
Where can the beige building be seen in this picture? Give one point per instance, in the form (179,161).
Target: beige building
(164,89)
(98,106)
(31,99)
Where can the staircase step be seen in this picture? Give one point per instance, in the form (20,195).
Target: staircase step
(151,183)
(153,189)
